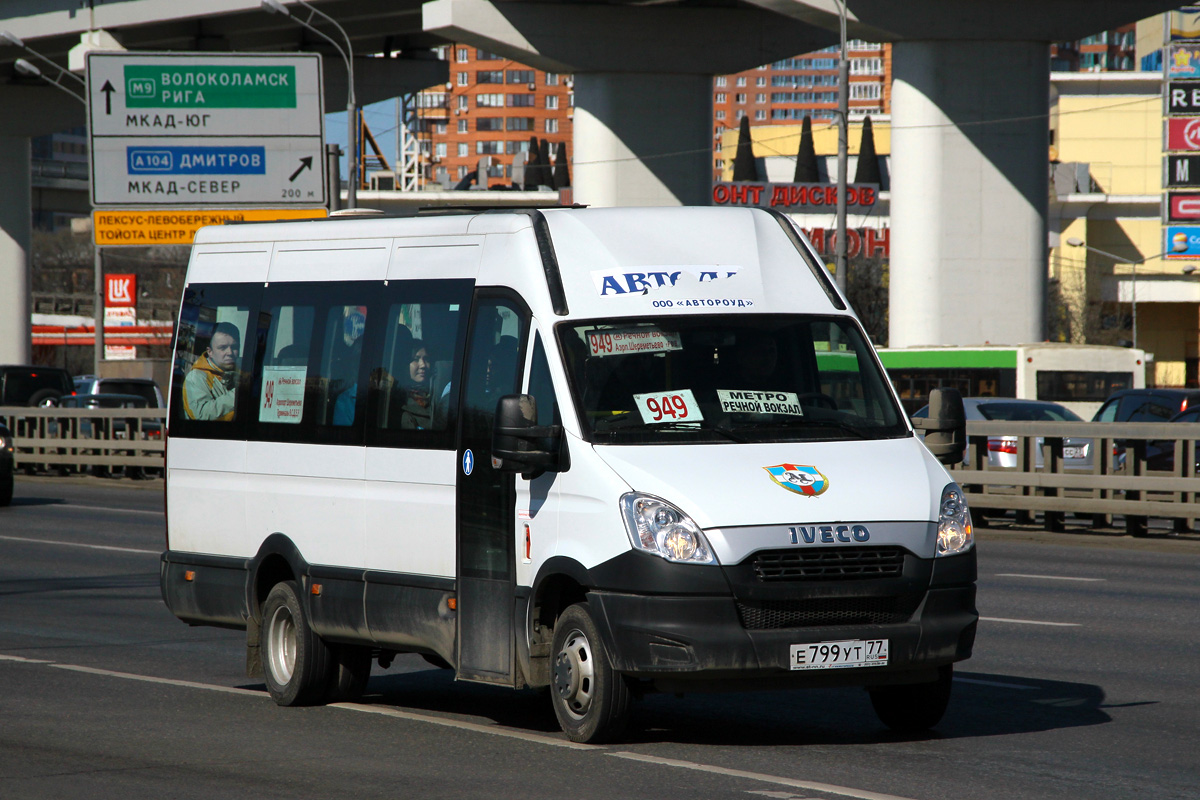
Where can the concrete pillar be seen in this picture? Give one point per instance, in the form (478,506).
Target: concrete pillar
(969,192)
(15,235)
(642,140)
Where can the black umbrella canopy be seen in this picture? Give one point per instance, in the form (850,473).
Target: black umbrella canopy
(545,168)
(562,175)
(868,160)
(532,165)
(806,156)
(744,168)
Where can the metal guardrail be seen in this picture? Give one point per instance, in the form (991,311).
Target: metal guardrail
(76,439)
(1120,480)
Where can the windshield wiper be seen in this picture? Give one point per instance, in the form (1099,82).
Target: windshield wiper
(627,422)
(703,425)
(861,433)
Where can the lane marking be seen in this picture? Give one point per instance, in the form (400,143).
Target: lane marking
(1030,622)
(843,791)
(23,660)
(72,505)
(493,730)
(469,726)
(129,676)
(1048,577)
(979,682)
(80,544)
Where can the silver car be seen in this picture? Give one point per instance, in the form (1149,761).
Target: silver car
(1002,450)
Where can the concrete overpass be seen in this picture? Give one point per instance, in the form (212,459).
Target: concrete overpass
(969,175)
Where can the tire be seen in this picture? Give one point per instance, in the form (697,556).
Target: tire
(6,489)
(913,708)
(590,698)
(297,665)
(349,673)
(44,397)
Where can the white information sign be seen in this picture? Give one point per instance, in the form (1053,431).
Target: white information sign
(736,400)
(176,129)
(623,341)
(674,406)
(282,394)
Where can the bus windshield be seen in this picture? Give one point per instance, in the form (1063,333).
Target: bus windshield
(739,378)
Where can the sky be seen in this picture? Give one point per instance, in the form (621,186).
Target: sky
(381,121)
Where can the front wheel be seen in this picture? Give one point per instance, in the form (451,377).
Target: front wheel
(911,708)
(6,489)
(296,663)
(591,699)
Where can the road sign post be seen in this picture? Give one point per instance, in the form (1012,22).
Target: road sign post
(190,130)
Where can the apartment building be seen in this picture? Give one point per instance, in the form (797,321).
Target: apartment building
(490,107)
(788,90)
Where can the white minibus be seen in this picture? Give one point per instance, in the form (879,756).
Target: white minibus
(604,451)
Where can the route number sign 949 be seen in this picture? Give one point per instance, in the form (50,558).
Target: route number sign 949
(674,406)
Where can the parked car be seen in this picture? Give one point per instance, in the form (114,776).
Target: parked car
(93,384)
(33,385)
(1002,450)
(1160,455)
(1146,405)
(6,466)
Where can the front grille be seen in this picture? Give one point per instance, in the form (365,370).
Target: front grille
(825,612)
(829,564)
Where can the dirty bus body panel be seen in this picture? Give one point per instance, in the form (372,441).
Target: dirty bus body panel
(610,451)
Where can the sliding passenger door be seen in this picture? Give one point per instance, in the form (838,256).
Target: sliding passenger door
(486,497)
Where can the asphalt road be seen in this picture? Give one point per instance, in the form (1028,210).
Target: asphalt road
(1083,685)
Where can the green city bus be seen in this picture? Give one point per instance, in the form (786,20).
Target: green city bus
(1077,376)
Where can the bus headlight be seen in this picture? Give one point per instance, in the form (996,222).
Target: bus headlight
(658,527)
(954,523)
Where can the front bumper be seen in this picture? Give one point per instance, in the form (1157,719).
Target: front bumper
(683,641)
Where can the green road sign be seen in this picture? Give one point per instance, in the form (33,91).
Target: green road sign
(198,130)
(214,86)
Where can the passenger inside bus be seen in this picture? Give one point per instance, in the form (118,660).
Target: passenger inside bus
(417,411)
(209,390)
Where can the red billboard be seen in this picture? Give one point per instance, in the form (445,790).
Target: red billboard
(120,291)
(1183,133)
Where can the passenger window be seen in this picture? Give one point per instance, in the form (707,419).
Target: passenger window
(1108,413)
(542,387)
(413,379)
(341,357)
(285,364)
(313,339)
(211,360)
(1149,411)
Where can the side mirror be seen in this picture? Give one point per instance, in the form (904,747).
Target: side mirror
(518,445)
(946,427)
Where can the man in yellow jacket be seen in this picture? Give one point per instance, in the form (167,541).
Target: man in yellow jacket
(209,388)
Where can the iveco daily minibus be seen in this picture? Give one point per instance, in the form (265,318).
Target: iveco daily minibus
(604,451)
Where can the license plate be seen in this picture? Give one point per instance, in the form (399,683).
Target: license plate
(1074,452)
(840,655)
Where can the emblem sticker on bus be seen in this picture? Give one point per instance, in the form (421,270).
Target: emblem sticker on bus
(799,478)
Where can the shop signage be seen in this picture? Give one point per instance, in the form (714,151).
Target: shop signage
(799,197)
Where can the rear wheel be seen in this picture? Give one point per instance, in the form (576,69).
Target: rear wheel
(45,398)
(591,699)
(912,708)
(297,664)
